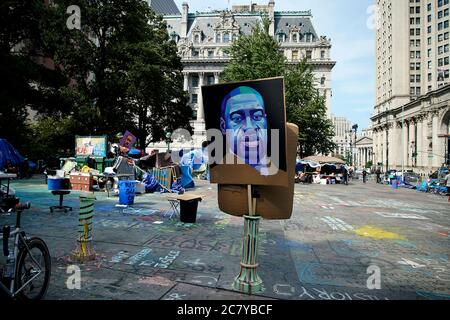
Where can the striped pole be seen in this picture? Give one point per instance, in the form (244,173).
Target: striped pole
(248,280)
(86,248)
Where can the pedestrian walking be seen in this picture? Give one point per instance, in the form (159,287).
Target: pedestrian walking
(378,173)
(345,175)
(364,175)
(447,181)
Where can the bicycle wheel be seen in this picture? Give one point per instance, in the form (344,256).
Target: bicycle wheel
(33,270)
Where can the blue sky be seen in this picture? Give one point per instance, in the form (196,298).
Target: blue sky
(353,47)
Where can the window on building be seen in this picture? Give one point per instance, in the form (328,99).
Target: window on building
(294,38)
(322,54)
(294,54)
(195,53)
(197,38)
(195,81)
(322,80)
(226,37)
(194,98)
(210,79)
(430,77)
(308,54)
(218,38)
(210,53)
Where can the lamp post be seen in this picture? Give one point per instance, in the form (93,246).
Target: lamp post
(355,128)
(403,142)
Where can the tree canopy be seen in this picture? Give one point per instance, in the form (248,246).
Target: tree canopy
(119,71)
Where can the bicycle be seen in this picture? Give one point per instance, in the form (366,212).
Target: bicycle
(22,268)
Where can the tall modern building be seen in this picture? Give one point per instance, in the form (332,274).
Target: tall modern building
(202,38)
(411,110)
(342,135)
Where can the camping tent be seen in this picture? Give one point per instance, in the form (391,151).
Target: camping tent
(325,160)
(7,151)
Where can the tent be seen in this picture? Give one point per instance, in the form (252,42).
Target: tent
(325,160)
(7,151)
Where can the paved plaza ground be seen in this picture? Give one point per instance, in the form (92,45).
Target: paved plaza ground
(323,252)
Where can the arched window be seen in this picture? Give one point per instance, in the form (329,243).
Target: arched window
(197,38)
(294,37)
(322,80)
(226,37)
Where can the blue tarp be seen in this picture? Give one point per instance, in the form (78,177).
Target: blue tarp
(195,159)
(7,151)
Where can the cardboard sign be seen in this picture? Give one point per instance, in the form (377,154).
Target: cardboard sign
(90,146)
(246,127)
(275,202)
(128,140)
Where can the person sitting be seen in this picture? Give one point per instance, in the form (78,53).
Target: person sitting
(10,168)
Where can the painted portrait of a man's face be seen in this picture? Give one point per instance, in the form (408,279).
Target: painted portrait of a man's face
(244,120)
(246,128)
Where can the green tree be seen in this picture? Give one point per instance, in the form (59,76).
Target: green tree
(125,73)
(258,56)
(254,56)
(25,81)
(306,108)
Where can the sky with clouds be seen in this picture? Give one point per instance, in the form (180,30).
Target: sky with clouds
(353,47)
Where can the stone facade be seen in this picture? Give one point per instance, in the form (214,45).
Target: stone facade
(343,135)
(364,151)
(414,136)
(202,38)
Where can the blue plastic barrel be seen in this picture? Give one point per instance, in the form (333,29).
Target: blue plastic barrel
(127,191)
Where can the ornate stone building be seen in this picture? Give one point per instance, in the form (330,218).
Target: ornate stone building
(412,75)
(364,149)
(202,38)
(424,145)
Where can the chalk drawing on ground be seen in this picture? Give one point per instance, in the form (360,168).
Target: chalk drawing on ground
(377,233)
(337,224)
(401,215)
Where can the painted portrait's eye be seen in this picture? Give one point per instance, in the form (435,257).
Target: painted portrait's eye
(258,116)
(236,118)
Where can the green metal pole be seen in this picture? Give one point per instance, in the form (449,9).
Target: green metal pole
(248,280)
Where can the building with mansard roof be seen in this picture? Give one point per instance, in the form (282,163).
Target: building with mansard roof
(202,38)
